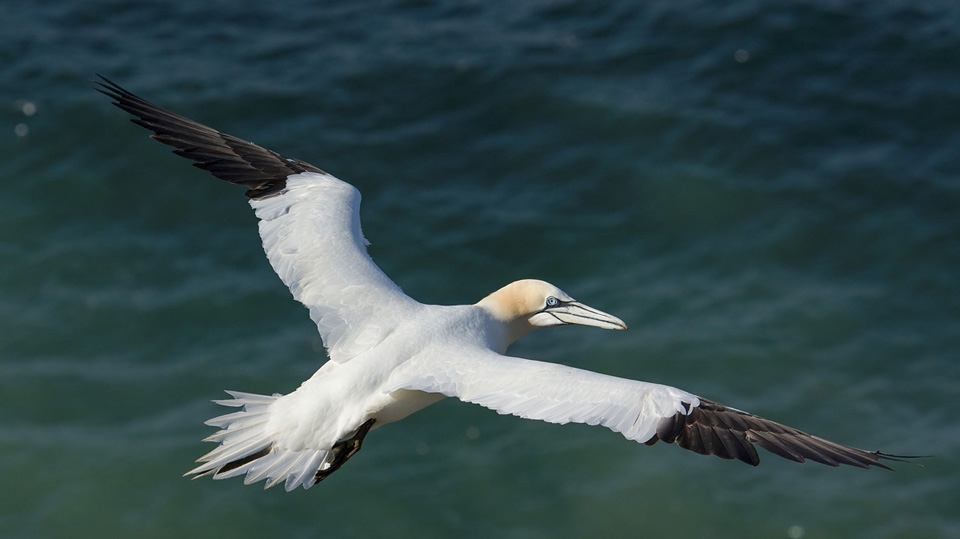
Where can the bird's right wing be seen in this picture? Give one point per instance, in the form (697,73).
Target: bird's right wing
(641,411)
(309,224)
(311,234)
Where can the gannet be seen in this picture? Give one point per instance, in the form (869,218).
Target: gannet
(390,355)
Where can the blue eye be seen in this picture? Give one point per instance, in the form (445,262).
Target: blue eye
(552,301)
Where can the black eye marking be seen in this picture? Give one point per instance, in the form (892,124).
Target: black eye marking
(552,301)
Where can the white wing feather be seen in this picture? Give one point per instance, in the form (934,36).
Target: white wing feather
(545,391)
(311,234)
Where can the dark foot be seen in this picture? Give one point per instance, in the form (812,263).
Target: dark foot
(343,450)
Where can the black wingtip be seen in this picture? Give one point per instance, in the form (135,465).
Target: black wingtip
(108,88)
(263,172)
(711,428)
(907,459)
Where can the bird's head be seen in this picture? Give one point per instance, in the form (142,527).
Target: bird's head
(530,304)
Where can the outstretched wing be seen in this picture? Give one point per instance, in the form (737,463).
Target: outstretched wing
(641,411)
(262,171)
(309,224)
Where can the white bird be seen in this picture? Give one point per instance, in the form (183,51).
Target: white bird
(390,355)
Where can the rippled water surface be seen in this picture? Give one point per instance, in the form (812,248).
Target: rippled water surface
(766,192)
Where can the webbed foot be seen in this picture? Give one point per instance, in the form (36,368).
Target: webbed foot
(344,449)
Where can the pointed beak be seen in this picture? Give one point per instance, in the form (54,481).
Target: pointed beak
(574,312)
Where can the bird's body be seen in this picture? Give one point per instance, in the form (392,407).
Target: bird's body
(391,355)
(339,397)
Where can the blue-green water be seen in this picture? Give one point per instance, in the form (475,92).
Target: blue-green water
(767,192)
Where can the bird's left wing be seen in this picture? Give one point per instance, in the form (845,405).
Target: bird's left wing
(641,411)
(309,224)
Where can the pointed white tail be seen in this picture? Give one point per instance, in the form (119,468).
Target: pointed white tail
(246,448)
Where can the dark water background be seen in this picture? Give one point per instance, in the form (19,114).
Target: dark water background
(767,192)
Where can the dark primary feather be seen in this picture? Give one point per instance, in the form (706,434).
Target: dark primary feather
(262,171)
(714,429)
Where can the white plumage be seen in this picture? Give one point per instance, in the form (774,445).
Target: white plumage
(545,391)
(391,355)
(311,234)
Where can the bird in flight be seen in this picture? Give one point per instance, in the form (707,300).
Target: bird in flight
(390,355)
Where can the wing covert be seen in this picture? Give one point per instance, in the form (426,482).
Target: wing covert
(545,391)
(641,411)
(311,234)
(309,224)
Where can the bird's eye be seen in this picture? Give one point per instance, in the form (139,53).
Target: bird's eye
(552,301)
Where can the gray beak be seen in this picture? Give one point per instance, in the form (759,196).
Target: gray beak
(574,312)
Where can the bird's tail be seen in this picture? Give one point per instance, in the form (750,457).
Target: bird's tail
(246,448)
